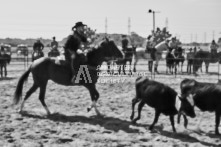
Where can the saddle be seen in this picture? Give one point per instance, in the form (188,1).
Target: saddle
(60,60)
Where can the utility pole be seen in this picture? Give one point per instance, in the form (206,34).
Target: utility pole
(166,24)
(191,38)
(129,26)
(213,35)
(196,38)
(151,11)
(205,37)
(106,26)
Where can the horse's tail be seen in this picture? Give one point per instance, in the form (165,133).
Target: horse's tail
(19,88)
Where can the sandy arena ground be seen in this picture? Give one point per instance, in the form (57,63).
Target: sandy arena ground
(71,124)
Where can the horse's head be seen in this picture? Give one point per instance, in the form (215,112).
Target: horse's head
(106,50)
(178,52)
(110,50)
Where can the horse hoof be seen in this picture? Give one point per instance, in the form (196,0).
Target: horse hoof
(217,133)
(134,122)
(100,115)
(20,111)
(88,109)
(151,128)
(48,114)
(131,117)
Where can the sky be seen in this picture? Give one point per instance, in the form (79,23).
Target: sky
(189,20)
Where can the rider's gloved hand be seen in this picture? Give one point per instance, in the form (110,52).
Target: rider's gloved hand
(79,51)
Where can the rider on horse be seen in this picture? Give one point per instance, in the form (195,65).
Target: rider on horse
(172,43)
(125,43)
(150,47)
(158,53)
(54,44)
(213,48)
(72,47)
(38,47)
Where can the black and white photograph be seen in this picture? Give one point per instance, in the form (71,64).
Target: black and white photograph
(110,73)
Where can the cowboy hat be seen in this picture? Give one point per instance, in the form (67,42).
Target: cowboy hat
(78,24)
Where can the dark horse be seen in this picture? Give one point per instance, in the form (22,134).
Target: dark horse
(170,59)
(4,60)
(174,59)
(128,57)
(179,59)
(122,62)
(206,57)
(45,69)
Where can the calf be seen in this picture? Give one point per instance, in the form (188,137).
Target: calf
(157,95)
(206,96)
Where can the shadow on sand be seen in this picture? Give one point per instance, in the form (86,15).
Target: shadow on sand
(115,124)
(180,136)
(184,138)
(7,78)
(109,123)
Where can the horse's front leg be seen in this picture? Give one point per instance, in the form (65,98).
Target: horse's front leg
(130,71)
(207,67)
(5,70)
(94,97)
(108,67)
(1,71)
(135,63)
(124,65)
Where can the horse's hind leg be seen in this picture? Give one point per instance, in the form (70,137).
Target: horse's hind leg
(130,71)
(1,71)
(42,98)
(28,94)
(134,68)
(5,70)
(94,97)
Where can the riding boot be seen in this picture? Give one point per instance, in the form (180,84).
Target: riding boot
(74,68)
(155,69)
(150,70)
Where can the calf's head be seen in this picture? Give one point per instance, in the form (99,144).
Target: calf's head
(187,105)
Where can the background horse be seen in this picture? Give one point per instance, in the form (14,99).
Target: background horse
(122,62)
(37,54)
(45,69)
(4,60)
(54,52)
(170,61)
(127,57)
(141,53)
(190,58)
(206,57)
(179,59)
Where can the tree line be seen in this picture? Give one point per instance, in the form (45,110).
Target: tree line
(134,39)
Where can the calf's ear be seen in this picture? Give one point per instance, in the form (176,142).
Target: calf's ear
(179,96)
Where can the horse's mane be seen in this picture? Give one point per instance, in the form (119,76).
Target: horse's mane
(94,50)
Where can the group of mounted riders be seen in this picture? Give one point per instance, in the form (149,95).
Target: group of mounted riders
(156,44)
(72,48)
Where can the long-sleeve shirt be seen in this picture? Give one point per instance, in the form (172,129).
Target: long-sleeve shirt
(72,44)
